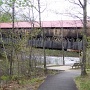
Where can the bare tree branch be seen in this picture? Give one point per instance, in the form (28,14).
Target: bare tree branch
(79,4)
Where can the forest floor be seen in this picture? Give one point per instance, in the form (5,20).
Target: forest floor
(14,85)
(27,84)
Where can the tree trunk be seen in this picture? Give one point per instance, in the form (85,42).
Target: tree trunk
(11,70)
(43,36)
(83,66)
(12,47)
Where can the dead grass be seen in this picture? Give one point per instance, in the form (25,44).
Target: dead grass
(30,84)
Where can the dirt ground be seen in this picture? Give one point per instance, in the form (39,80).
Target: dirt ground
(15,86)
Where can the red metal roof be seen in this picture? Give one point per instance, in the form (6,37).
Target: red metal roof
(64,23)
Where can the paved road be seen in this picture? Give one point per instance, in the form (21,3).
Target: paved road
(62,81)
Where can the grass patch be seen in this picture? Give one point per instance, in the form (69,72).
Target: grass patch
(30,81)
(51,52)
(83,83)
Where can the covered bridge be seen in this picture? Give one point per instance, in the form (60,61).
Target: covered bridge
(68,32)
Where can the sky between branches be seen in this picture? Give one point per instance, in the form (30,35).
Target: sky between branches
(52,10)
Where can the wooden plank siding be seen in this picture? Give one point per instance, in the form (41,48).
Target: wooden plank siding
(66,32)
(53,37)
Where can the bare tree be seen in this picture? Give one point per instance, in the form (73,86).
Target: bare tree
(12,51)
(83,5)
(43,36)
(83,67)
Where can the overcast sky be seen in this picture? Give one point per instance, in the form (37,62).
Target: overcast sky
(57,10)
(54,10)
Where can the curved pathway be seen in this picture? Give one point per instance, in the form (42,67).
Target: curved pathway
(62,81)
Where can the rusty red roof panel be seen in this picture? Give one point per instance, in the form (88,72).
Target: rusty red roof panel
(65,23)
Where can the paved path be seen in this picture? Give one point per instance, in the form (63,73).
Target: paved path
(60,67)
(62,81)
